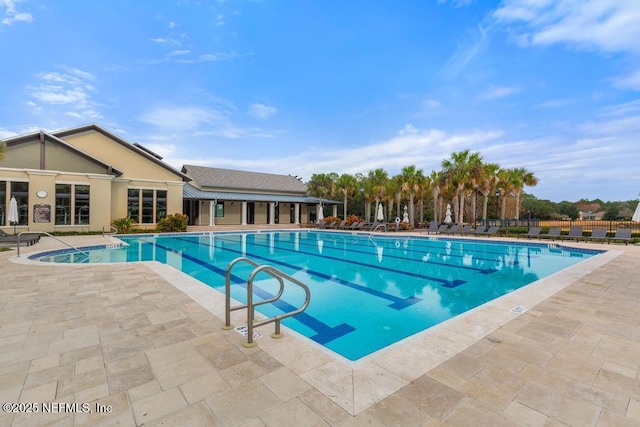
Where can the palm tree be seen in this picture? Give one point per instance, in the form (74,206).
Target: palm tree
(411,178)
(378,178)
(347,185)
(488,185)
(521,177)
(504,189)
(321,186)
(393,193)
(436,185)
(457,172)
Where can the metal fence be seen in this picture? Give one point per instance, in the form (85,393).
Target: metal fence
(587,225)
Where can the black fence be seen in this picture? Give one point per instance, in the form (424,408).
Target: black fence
(587,225)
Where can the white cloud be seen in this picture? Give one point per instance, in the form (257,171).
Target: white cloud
(630,81)
(499,92)
(12,15)
(178,52)
(467,50)
(262,111)
(554,103)
(72,89)
(607,25)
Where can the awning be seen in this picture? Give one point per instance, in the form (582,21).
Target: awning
(191,192)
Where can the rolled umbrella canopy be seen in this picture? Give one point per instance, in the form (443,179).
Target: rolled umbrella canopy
(320,213)
(636,214)
(13,213)
(380,216)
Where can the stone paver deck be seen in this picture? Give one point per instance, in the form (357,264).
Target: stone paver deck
(142,344)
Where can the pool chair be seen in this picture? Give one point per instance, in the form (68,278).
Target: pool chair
(27,239)
(433,228)
(491,231)
(533,232)
(454,229)
(575,232)
(464,230)
(335,225)
(622,235)
(553,233)
(597,234)
(322,224)
(442,229)
(479,230)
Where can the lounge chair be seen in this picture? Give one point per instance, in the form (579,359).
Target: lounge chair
(433,228)
(597,234)
(442,229)
(491,231)
(479,230)
(575,232)
(533,232)
(622,235)
(335,225)
(454,229)
(28,238)
(553,233)
(464,230)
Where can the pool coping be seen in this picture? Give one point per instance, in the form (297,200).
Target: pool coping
(356,386)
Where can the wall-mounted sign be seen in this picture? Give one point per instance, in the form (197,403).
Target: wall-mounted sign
(41,213)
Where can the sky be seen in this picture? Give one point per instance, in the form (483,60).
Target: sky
(301,87)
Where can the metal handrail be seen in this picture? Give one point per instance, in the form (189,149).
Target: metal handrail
(54,237)
(250,305)
(111,227)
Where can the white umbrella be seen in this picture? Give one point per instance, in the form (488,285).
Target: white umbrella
(636,214)
(320,213)
(13,213)
(447,215)
(380,213)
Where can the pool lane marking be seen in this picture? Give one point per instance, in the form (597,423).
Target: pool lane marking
(445,283)
(324,332)
(396,302)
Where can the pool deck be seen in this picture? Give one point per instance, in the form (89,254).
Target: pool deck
(145,340)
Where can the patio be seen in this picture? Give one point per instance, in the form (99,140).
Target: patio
(145,341)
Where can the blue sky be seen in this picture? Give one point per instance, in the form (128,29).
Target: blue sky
(302,87)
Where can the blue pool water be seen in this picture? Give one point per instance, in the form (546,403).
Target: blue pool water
(367,292)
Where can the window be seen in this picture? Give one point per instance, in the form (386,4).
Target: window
(82,204)
(63,204)
(133,204)
(219,210)
(161,204)
(20,190)
(146,206)
(3,203)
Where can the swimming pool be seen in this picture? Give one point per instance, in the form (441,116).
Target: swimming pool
(367,291)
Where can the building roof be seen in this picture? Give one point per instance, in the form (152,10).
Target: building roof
(243,180)
(20,139)
(191,192)
(137,148)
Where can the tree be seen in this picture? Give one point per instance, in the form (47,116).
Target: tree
(457,172)
(411,180)
(347,185)
(435,180)
(321,185)
(519,178)
(378,179)
(488,185)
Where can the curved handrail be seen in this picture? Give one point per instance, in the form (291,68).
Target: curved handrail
(54,237)
(250,305)
(250,311)
(111,227)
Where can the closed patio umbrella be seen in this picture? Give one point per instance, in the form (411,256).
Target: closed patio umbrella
(380,216)
(13,213)
(320,213)
(636,214)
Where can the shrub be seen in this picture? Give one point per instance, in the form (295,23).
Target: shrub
(351,219)
(123,224)
(173,223)
(331,219)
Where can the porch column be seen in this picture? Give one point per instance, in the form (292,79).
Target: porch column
(212,212)
(335,211)
(243,214)
(272,213)
(296,213)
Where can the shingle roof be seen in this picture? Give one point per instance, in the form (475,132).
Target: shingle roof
(191,192)
(243,180)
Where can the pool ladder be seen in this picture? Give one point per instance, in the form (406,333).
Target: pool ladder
(250,305)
